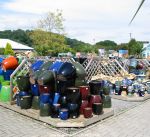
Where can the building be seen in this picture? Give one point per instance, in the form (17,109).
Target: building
(146,51)
(17,47)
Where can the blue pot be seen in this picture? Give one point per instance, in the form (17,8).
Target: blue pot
(56,66)
(35,89)
(63,114)
(73,107)
(56,98)
(45,98)
(36,65)
(7,74)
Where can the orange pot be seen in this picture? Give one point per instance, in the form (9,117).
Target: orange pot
(10,63)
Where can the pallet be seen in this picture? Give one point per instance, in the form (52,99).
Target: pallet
(78,122)
(132,98)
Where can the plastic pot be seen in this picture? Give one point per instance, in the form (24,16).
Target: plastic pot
(5,93)
(97,108)
(63,114)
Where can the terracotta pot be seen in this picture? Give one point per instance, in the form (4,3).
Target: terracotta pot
(95,99)
(87,112)
(84,104)
(84,90)
(97,108)
(23,83)
(10,63)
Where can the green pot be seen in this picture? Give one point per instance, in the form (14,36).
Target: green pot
(46,77)
(106,90)
(5,93)
(80,82)
(80,71)
(45,109)
(25,102)
(106,99)
(36,102)
(5,83)
(1,78)
(23,83)
(46,65)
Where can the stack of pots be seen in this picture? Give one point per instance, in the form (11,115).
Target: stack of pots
(24,98)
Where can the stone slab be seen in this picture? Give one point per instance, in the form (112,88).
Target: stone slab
(78,122)
(132,98)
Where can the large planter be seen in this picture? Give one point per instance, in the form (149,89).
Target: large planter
(23,83)
(84,104)
(45,98)
(97,108)
(36,65)
(34,76)
(56,66)
(44,89)
(95,87)
(84,90)
(47,77)
(10,63)
(67,70)
(95,99)
(46,65)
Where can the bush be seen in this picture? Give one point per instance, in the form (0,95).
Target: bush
(8,50)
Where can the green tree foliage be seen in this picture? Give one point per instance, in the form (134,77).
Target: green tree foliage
(134,47)
(2,51)
(47,43)
(122,47)
(8,50)
(19,35)
(79,46)
(107,45)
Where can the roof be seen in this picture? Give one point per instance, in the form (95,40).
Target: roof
(15,45)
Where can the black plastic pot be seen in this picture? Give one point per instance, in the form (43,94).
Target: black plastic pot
(95,87)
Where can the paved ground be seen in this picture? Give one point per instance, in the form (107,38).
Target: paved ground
(132,123)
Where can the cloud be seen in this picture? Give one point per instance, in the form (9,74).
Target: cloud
(85,19)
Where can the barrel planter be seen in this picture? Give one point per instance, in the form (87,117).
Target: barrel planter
(56,66)
(45,109)
(46,77)
(23,83)
(10,63)
(46,65)
(5,93)
(106,101)
(25,102)
(67,70)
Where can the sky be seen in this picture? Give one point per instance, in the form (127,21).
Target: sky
(90,21)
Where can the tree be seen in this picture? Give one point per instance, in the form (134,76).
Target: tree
(53,22)
(8,50)
(134,47)
(47,43)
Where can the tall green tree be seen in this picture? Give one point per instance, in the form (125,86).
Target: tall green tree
(8,50)
(134,47)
